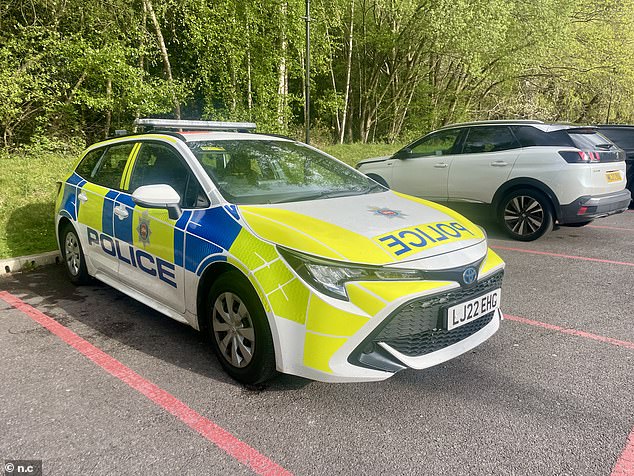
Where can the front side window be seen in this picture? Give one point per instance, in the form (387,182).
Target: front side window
(159,164)
(269,171)
(110,168)
(439,143)
(489,139)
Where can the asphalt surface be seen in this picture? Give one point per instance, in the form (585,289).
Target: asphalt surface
(531,400)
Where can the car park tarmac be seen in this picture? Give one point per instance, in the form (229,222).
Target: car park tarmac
(97,383)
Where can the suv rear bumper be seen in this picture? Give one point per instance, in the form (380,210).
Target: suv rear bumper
(588,207)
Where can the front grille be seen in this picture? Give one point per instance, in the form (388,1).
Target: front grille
(416,328)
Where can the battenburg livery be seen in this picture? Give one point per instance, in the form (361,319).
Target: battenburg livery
(288,259)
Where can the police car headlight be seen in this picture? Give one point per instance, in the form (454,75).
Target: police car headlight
(330,277)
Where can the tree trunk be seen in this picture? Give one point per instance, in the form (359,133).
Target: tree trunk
(164,55)
(282,83)
(106,128)
(344,115)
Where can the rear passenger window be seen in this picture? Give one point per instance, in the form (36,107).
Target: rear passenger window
(489,139)
(111,166)
(158,164)
(531,136)
(88,165)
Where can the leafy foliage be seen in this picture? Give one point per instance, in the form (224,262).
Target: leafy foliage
(381,69)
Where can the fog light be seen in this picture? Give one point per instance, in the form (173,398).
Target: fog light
(582,210)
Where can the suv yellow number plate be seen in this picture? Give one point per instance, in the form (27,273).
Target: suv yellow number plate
(613,176)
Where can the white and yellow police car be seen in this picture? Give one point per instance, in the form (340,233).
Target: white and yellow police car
(290,260)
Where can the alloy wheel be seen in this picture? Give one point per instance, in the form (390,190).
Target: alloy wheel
(524,215)
(233,329)
(72,254)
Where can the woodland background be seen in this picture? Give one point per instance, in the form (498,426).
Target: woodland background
(73,71)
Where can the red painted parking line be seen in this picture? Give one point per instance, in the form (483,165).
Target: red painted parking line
(236,448)
(559,255)
(574,332)
(625,464)
(604,227)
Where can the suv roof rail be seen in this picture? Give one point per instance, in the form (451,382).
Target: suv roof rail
(178,124)
(495,121)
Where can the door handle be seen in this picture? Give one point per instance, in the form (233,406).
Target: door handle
(499,163)
(440,165)
(82,197)
(121,212)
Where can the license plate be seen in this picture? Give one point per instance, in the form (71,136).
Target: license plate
(469,311)
(613,176)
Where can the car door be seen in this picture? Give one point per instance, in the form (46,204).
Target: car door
(152,261)
(423,168)
(488,156)
(95,203)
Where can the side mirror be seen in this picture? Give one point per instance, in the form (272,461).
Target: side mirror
(403,154)
(159,196)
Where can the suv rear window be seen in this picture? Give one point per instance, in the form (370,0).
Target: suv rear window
(531,136)
(589,140)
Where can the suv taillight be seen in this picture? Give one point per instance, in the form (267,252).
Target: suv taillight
(580,157)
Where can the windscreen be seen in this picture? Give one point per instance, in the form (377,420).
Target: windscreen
(269,171)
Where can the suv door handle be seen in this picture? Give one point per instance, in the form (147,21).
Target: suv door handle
(499,163)
(121,212)
(440,165)
(82,197)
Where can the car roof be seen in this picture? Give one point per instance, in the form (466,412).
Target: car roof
(543,126)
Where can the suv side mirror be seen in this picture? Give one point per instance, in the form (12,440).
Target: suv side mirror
(159,196)
(403,153)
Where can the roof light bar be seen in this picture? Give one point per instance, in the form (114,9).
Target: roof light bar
(194,125)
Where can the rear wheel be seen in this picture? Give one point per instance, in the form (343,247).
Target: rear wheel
(240,333)
(525,214)
(73,256)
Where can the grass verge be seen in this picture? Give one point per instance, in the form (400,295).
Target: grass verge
(27,198)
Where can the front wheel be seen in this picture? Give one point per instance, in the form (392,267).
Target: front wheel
(240,333)
(73,256)
(525,214)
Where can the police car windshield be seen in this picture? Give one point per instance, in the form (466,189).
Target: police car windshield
(268,171)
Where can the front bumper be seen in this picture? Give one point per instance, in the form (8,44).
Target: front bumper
(384,328)
(587,207)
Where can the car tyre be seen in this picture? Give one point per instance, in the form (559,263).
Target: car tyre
(73,256)
(525,214)
(239,331)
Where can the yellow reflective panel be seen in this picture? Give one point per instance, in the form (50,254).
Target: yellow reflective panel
(129,166)
(492,261)
(391,290)
(153,231)
(318,350)
(327,319)
(273,275)
(91,211)
(364,300)
(290,301)
(312,235)
(252,251)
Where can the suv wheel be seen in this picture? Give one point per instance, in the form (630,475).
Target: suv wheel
(525,214)
(240,333)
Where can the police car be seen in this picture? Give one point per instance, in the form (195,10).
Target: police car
(288,259)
